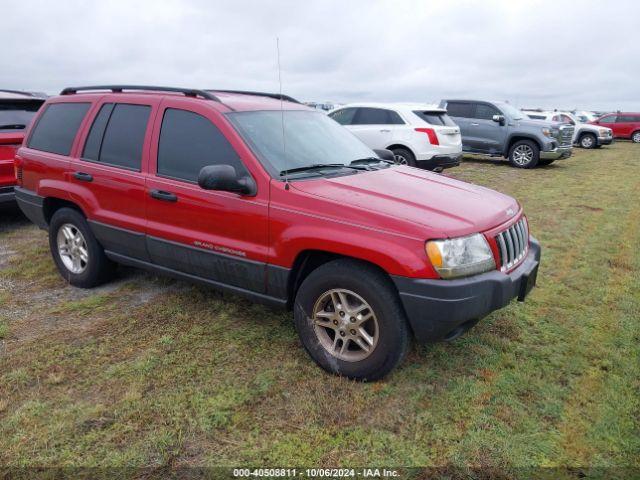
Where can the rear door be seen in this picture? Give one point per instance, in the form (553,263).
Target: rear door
(461,113)
(215,235)
(625,124)
(107,177)
(377,127)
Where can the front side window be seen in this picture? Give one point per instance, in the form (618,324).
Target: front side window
(485,112)
(344,116)
(57,127)
(117,135)
(608,119)
(310,138)
(188,142)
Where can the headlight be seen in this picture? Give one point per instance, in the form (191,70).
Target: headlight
(603,131)
(459,257)
(549,132)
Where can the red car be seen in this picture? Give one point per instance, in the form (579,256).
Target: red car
(17,109)
(624,125)
(258,195)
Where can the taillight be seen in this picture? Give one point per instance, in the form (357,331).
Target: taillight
(17,167)
(431,133)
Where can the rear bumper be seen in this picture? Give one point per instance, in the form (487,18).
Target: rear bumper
(32,205)
(440,162)
(557,153)
(7,194)
(437,309)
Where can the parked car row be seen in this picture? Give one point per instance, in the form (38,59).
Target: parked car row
(585,135)
(258,195)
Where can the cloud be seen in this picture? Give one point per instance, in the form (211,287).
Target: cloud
(534,53)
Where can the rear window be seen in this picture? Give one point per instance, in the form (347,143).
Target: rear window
(57,127)
(17,114)
(435,118)
(459,109)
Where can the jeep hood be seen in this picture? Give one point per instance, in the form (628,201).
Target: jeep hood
(413,201)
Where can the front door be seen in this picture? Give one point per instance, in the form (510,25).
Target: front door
(610,121)
(488,136)
(215,235)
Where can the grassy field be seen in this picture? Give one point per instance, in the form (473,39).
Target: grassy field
(152,372)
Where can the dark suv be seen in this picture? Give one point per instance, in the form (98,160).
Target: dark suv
(202,185)
(499,129)
(17,109)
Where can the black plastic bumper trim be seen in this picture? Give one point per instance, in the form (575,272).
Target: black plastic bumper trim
(436,307)
(32,205)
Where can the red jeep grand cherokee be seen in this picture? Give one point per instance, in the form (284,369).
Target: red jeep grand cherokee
(259,195)
(16,111)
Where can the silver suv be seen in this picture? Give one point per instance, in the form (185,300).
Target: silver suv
(499,129)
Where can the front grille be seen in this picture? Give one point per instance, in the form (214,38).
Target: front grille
(566,135)
(513,244)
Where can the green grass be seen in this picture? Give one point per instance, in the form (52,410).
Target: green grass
(188,377)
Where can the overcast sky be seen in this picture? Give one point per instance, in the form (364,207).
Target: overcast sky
(533,53)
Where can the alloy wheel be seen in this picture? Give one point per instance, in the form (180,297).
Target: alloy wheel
(587,141)
(636,137)
(523,155)
(72,248)
(400,160)
(345,325)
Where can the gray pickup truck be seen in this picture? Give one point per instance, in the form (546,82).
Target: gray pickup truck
(499,129)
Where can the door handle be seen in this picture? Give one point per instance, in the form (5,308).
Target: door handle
(385,130)
(83,177)
(162,195)
(475,124)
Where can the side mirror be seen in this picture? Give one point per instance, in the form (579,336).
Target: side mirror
(225,178)
(384,154)
(499,119)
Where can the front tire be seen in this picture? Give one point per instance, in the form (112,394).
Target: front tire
(402,156)
(350,320)
(588,140)
(524,154)
(635,137)
(76,252)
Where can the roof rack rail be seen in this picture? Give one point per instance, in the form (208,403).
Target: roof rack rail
(276,96)
(189,92)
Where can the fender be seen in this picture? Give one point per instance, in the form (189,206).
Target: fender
(527,136)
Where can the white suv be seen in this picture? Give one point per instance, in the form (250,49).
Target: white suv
(419,135)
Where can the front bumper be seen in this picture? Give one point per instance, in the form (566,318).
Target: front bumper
(605,140)
(557,153)
(7,194)
(437,309)
(440,162)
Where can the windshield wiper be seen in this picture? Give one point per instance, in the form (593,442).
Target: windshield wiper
(366,160)
(317,166)
(12,126)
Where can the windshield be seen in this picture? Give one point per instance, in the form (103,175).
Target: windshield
(510,111)
(17,114)
(310,138)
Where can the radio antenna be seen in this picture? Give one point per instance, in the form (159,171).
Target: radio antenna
(284,143)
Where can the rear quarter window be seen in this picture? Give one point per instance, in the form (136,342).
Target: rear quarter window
(435,118)
(57,127)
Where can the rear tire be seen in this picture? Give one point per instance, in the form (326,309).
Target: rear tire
(402,156)
(588,140)
(635,137)
(524,154)
(76,252)
(335,303)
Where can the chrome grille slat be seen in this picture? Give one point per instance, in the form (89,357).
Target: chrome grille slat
(513,244)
